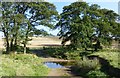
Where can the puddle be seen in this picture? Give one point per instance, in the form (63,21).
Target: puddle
(53,65)
(58,64)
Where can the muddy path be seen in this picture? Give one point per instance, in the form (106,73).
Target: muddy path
(60,72)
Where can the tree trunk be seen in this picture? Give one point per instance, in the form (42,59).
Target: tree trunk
(25,48)
(15,44)
(7,46)
(97,45)
(11,45)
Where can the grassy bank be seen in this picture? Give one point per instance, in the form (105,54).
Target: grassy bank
(112,57)
(22,65)
(84,66)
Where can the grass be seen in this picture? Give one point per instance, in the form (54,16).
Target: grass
(22,65)
(112,57)
(87,68)
(96,74)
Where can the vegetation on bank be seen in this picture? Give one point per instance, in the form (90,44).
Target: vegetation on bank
(22,65)
(112,57)
(84,66)
(89,68)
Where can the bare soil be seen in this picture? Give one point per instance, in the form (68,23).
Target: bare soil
(60,72)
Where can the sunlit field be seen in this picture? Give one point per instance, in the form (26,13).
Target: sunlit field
(38,42)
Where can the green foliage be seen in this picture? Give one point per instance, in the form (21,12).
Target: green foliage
(22,65)
(62,52)
(74,55)
(19,21)
(112,57)
(83,24)
(57,52)
(41,32)
(96,74)
(86,65)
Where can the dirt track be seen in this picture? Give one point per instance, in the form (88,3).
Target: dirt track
(60,72)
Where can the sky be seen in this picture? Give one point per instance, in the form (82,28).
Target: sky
(108,4)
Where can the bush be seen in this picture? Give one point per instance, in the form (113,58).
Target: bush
(62,52)
(86,65)
(57,52)
(96,74)
(74,55)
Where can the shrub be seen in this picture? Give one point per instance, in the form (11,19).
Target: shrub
(62,52)
(96,74)
(72,55)
(85,65)
(57,52)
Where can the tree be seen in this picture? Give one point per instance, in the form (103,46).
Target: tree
(5,23)
(39,13)
(20,19)
(104,24)
(81,24)
(10,25)
(41,32)
(76,25)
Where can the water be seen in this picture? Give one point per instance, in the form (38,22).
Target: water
(53,65)
(58,64)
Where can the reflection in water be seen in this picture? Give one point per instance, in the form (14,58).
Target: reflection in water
(53,65)
(58,64)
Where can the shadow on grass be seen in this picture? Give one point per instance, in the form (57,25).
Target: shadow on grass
(58,51)
(39,52)
(106,67)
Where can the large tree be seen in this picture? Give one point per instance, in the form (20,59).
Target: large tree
(19,21)
(81,24)
(76,25)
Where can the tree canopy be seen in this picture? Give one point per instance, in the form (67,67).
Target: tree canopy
(82,24)
(18,21)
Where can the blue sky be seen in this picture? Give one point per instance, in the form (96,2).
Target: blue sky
(108,4)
